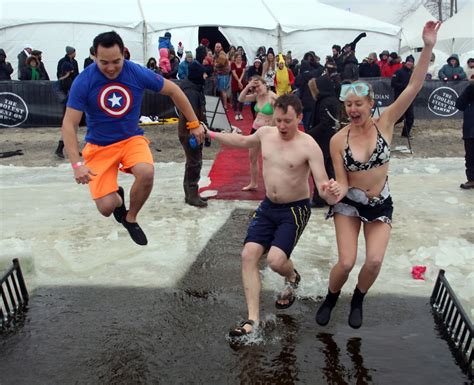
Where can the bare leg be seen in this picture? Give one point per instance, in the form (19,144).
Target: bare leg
(347,233)
(251,254)
(141,189)
(281,264)
(377,235)
(107,204)
(254,154)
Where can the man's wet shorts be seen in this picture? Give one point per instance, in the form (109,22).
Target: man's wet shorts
(279,225)
(106,161)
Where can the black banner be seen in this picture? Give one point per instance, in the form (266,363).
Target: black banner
(436,100)
(40,103)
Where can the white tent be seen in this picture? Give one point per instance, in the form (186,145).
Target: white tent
(457,34)
(412,28)
(300,26)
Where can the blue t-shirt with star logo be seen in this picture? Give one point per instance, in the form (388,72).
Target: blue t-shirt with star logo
(112,107)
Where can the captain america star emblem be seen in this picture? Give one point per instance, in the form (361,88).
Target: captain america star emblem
(115,100)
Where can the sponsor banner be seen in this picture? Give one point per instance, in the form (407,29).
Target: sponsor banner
(41,103)
(436,100)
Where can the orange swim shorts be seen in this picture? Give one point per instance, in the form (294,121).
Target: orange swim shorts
(106,161)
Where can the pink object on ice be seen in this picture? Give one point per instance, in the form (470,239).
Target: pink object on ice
(418,271)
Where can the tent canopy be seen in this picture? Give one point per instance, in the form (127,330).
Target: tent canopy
(299,26)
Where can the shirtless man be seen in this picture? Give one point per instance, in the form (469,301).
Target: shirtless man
(289,156)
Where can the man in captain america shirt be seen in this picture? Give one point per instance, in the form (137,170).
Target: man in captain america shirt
(110,93)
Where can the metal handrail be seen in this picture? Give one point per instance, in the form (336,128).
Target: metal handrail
(457,324)
(13,294)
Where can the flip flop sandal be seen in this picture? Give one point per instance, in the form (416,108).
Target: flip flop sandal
(290,297)
(239,331)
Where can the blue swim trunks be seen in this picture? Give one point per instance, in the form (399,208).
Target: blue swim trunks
(279,225)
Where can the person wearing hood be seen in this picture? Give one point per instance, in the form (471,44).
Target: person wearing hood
(31,71)
(307,72)
(384,64)
(284,78)
(400,80)
(452,70)
(193,87)
(465,102)
(164,62)
(6,68)
(184,65)
(165,41)
(41,68)
(323,124)
(394,64)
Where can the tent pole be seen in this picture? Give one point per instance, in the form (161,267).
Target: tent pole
(144,32)
(279,33)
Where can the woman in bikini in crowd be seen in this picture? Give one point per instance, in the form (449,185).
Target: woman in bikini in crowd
(257,91)
(361,170)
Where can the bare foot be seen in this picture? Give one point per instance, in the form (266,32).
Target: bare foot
(250,187)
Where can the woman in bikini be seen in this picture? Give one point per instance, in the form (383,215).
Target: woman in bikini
(360,153)
(264,99)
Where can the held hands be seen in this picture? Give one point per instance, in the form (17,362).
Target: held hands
(83,174)
(430,32)
(199,132)
(332,190)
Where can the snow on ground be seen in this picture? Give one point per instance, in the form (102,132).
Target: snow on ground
(51,224)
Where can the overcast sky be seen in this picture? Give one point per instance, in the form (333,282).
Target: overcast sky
(385,10)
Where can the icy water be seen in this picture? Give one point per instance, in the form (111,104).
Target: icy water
(104,311)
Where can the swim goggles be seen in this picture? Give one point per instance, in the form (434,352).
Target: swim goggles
(358,88)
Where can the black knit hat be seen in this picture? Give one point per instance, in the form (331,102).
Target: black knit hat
(410,58)
(195,72)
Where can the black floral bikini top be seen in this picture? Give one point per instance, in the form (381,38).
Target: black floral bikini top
(380,156)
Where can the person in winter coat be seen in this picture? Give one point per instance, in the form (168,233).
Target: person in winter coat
(41,68)
(470,69)
(307,72)
(323,124)
(165,41)
(383,63)
(400,80)
(193,88)
(369,68)
(452,70)
(394,64)
(6,68)
(70,58)
(465,102)
(31,72)
(184,65)
(164,62)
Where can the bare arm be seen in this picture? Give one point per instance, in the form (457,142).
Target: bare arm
(182,103)
(399,106)
(329,190)
(245,97)
(72,118)
(237,140)
(336,147)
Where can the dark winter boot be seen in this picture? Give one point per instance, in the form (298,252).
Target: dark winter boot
(194,199)
(59,151)
(324,312)
(355,316)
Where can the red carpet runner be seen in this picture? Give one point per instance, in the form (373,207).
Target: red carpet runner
(230,171)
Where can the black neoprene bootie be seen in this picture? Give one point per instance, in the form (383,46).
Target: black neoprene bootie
(323,315)
(355,316)
(59,150)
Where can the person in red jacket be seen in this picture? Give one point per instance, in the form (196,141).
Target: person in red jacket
(394,64)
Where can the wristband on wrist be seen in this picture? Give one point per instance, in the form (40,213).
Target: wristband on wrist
(77,164)
(193,124)
(212,134)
